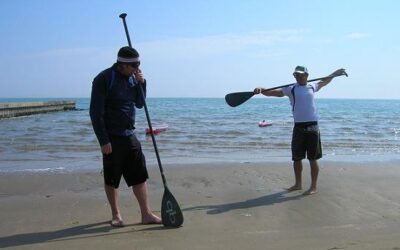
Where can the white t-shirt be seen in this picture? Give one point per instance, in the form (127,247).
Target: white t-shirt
(303,104)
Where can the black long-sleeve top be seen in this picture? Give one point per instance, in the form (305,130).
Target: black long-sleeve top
(112,104)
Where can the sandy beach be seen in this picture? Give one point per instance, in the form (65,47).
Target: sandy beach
(226,206)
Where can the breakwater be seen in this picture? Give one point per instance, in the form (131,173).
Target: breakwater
(14,109)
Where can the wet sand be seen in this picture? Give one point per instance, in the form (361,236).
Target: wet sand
(226,206)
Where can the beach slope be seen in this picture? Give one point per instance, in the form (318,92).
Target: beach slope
(226,206)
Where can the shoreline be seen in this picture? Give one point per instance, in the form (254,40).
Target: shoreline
(97,167)
(226,206)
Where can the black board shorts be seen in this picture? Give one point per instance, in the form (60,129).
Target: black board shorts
(126,160)
(306,139)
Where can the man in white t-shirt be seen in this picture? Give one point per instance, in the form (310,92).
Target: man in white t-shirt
(306,136)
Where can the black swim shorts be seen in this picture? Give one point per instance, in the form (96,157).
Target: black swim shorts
(126,160)
(306,139)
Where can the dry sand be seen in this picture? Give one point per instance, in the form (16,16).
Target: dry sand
(226,206)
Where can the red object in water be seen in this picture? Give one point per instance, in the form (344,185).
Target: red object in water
(157,129)
(264,123)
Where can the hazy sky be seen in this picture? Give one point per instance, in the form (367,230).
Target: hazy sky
(204,48)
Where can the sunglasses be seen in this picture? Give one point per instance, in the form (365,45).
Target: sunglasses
(135,65)
(299,75)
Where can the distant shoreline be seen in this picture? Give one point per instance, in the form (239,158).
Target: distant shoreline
(16,109)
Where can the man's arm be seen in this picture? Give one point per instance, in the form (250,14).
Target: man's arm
(274,92)
(326,81)
(139,78)
(97,102)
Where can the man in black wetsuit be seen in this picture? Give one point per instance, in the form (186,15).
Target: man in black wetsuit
(115,95)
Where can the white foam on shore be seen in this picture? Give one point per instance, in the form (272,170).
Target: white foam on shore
(35,170)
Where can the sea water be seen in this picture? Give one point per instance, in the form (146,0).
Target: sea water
(203,130)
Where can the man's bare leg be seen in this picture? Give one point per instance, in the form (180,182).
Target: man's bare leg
(148,217)
(112,196)
(298,168)
(314,177)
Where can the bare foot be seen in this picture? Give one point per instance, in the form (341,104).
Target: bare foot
(293,188)
(310,191)
(151,219)
(117,222)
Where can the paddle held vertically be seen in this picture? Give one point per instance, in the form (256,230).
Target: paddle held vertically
(171,213)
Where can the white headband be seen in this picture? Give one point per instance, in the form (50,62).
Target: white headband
(128,60)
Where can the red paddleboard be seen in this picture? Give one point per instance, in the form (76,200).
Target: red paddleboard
(264,123)
(157,129)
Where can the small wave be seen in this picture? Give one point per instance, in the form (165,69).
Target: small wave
(34,170)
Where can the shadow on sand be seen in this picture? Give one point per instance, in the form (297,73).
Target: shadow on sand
(266,200)
(99,229)
(78,232)
(103,228)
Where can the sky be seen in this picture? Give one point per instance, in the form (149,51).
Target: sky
(200,48)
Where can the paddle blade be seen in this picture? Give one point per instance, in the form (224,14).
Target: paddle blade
(237,98)
(171,213)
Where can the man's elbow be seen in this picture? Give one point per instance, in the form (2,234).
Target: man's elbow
(92,114)
(139,105)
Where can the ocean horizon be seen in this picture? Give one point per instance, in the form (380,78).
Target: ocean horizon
(203,130)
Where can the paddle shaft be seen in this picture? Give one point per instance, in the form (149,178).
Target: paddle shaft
(287,85)
(123,16)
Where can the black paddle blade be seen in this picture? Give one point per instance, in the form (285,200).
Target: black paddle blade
(237,98)
(171,213)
